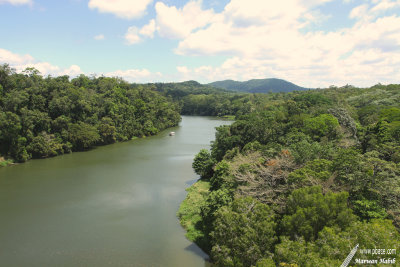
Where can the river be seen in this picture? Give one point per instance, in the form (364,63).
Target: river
(112,206)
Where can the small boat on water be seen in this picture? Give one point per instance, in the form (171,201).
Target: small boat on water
(171,133)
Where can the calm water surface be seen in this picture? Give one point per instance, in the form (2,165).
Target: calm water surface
(112,206)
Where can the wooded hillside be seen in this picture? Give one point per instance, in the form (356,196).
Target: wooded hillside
(301,180)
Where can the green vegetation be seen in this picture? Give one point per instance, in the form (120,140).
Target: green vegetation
(197,99)
(253,222)
(189,211)
(4,162)
(44,116)
(302,178)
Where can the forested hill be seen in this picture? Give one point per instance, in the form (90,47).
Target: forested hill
(47,116)
(271,85)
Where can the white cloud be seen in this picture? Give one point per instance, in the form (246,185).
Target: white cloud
(256,13)
(265,38)
(99,37)
(148,29)
(184,73)
(136,75)
(126,9)
(21,62)
(14,59)
(132,35)
(182,69)
(17,2)
(359,11)
(383,5)
(179,23)
(73,70)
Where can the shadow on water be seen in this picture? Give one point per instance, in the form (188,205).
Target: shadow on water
(196,250)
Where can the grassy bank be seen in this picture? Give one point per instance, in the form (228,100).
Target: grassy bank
(5,162)
(189,211)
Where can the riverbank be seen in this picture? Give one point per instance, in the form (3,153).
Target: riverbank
(228,117)
(189,212)
(5,162)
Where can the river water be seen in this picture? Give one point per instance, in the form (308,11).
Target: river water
(112,206)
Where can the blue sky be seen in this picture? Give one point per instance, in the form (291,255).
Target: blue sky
(313,43)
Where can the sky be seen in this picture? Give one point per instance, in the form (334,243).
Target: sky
(312,43)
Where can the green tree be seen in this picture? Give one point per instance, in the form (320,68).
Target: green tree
(203,164)
(45,145)
(18,150)
(224,141)
(309,211)
(244,233)
(82,135)
(107,130)
(10,127)
(222,177)
(322,125)
(315,172)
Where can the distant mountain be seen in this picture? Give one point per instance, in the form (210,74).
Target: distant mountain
(258,86)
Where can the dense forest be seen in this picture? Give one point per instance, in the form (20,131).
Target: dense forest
(194,98)
(48,116)
(301,180)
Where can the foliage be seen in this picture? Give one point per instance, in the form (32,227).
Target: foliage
(312,173)
(309,211)
(213,202)
(322,125)
(45,145)
(48,116)
(203,164)
(326,162)
(82,135)
(369,209)
(189,212)
(333,244)
(222,177)
(243,233)
(4,163)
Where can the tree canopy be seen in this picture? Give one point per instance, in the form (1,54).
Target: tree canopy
(313,173)
(48,116)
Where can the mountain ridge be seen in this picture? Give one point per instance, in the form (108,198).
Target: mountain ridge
(269,85)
